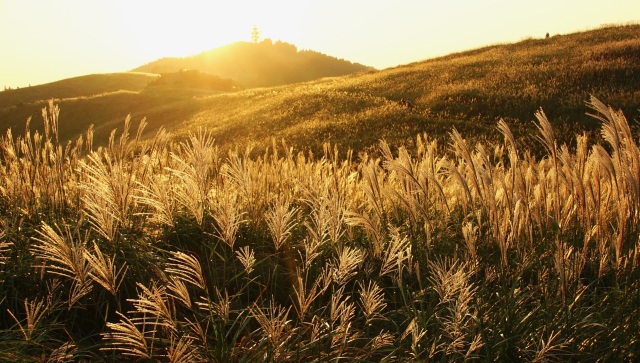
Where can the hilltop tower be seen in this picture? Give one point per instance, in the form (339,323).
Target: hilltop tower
(255,34)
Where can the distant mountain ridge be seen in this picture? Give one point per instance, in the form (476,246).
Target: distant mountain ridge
(261,64)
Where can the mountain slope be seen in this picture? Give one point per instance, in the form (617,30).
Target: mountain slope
(259,65)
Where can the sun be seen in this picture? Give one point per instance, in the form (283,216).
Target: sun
(162,29)
(179,29)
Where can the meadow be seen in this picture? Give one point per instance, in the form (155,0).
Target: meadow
(176,250)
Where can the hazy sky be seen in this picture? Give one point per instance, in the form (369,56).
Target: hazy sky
(47,40)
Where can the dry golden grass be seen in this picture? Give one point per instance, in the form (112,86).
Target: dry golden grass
(34,312)
(202,255)
(104,271)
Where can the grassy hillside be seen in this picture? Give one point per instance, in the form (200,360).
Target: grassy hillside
(469,91)
(192,79)
(512,81)
(259,64)
(82,86)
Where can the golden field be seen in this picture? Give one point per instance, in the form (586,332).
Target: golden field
(475,236)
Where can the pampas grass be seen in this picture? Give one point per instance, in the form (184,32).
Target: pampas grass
(372,300)
(178,251)
(34,311)
(104,270)
(280,220)
(186,268)
(5,248)
(125,337)
(64,255)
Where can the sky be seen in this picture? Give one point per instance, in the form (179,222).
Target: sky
(43,41)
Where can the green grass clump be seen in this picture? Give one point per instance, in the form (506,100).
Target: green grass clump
(182,250)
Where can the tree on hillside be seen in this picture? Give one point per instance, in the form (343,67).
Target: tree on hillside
(286,47)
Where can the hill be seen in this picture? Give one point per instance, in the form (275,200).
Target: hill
(82,86)
(468,90)
(259,64)
(190,81)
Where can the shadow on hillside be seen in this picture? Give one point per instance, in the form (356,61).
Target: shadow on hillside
(105,113)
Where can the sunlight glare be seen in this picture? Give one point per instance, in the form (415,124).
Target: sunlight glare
(190,27)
